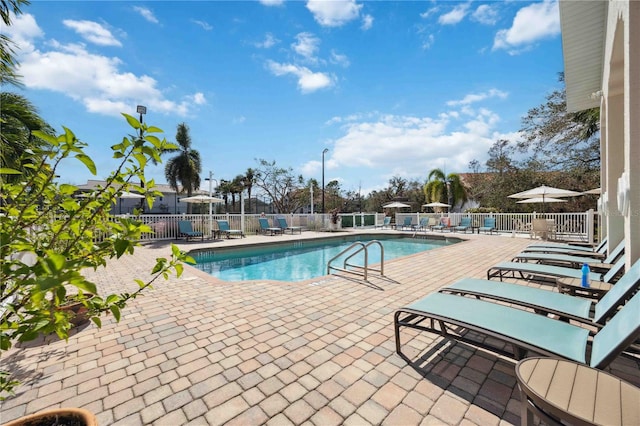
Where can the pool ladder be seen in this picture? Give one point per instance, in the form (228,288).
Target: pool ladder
(358,246)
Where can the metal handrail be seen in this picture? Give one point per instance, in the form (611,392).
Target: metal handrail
(362,247)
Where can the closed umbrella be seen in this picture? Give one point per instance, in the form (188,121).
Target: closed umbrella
(203,199)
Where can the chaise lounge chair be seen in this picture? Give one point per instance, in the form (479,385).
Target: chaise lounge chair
(445,223)
(265,227)
(599,283)
(407,223)
(465,224)
(488,225)
(224,228)
(422,225)
(600,248)
(386,222)
(282,222)
(185,229)
(549,302)
(454,317)
(572,261)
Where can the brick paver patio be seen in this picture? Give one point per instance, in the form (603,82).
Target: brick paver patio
(196,350)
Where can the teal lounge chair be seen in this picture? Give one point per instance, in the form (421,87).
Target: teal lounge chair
(463,318)
(265,227)
(282,222)
(562,277)
(422,225)
(386,222)
(549,302)
(600,248)
(465,224)
(224,228)
(186,230)
(572,261)
(408,223)
(442,225)
(488,225)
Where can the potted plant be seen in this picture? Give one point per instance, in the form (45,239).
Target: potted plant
(58,416)
(334,219)
(49,236)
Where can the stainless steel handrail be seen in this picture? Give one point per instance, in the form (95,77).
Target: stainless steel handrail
(362,247)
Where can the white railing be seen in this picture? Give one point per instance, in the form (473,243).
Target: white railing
(567,226)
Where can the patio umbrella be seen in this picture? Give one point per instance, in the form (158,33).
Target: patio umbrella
(395,204)
(203,199)
(595,191)
(541,200)
(436,204)
(544,193)
(127,195)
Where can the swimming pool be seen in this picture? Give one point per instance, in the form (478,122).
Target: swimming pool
(302,259)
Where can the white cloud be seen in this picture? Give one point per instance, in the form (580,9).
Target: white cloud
(308,81)
(456,15)
(306,46)
(239,120)
(381,142)
(485,14)
(428,42)
(93,32)
(146,13)
(272,2)
(23,31)
(429,12)
(334,13)
(477,97)
(367,22)
(268,42)
(96,81)
(532,23)
(205,25)
(339,59)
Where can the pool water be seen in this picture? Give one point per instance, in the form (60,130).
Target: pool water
(300,260)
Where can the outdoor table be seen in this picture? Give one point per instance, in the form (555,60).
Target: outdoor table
(558,390)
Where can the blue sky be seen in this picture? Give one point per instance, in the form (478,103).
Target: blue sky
(390,88)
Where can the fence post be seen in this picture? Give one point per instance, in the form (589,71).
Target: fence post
(589,214)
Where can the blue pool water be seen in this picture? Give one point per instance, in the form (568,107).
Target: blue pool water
(300,260)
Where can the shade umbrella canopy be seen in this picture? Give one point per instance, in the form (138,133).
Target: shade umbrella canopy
(544,192)
(541,200)
(202,199)
(127,194)
(436,204)
(395,204)
(130,195)
(595,191)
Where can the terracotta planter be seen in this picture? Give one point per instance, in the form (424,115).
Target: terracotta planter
(62,416)
(79,312)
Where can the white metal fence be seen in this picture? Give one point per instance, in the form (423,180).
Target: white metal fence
(579,226)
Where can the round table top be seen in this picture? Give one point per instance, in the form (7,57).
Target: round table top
(578,393)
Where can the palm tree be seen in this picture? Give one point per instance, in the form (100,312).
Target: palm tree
(248,181)
(225,189)
(19,119)
(184,168)
(436,188)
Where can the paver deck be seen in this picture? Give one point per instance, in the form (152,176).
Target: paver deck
(196,350)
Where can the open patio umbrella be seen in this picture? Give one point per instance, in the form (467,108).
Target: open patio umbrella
(394,205)
(203,199)
(544,193)
(594,191)
(127,195)
(436,204)
(541,200)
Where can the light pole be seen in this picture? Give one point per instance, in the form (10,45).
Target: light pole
(324,151)
(140,109)
(449,194)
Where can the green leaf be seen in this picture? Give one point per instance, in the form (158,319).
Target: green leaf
(121,246)
(7,171)
(97,321)
(133,122)
(88,162)
(116,312)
